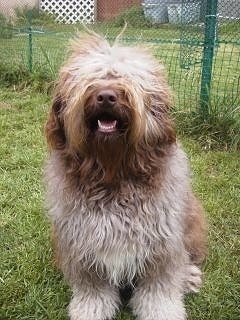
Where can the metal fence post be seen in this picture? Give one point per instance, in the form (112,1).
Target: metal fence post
(30,42)
(208,54)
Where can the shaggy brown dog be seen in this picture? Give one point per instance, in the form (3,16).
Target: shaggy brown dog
(118,190)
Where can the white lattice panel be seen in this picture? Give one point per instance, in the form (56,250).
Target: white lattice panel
(70,11)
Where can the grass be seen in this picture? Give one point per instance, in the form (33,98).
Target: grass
(31,288)
(183,61)
(221,129)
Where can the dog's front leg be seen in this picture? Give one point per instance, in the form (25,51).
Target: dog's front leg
(93,300)
(158,299)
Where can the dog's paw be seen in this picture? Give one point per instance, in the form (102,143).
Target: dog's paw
(193,279)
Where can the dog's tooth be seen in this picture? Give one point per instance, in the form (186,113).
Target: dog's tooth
(107,127)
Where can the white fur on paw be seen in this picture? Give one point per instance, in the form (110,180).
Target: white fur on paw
(193,279)
(93,306)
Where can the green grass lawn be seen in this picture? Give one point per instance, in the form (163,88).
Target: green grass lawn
(31,288)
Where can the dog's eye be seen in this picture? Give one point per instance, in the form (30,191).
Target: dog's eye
(157,111)
(153,112)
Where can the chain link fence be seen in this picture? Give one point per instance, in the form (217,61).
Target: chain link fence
(198,41)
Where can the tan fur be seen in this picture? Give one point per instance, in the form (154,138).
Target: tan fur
(118,188)
(195,231)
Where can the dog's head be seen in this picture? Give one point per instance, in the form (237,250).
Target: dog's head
(109,98)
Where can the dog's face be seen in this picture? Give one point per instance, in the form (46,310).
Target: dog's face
(107,95)
(108,115)
(110,111)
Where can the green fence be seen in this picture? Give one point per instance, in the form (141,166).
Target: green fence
(198,41)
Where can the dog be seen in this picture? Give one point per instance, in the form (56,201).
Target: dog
(118,190)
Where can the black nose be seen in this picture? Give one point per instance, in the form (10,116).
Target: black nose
(106,98)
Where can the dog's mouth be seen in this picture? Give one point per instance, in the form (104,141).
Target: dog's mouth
(107,126)
(107,123)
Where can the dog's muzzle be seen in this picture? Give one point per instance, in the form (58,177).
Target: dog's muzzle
(106,114)
(106,99)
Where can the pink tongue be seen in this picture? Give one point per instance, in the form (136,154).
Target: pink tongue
(107,126)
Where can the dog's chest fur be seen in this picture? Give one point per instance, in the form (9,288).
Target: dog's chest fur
(121,235)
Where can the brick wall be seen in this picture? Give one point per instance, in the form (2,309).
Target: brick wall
(108,9)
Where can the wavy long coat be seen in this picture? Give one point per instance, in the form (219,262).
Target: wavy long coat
(118,188)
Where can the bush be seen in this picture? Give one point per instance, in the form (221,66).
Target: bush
(134,18)
(10,76)
(33,15)
(220,129)
(19,77)
(6,30)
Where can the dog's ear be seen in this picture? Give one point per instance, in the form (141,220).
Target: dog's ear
(161,122)
(54,129)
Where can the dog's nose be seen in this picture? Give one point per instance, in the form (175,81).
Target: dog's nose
(106,97)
